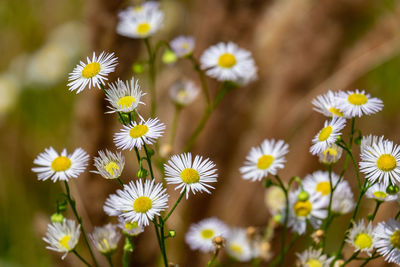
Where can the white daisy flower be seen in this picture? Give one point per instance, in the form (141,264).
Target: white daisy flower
(105,238)
(62,236)
(183,92)
(326,105)
(378,192)
(139,202)
(60,167)
(111,202)
(327,135)
(182,46)
(200,235)
(331,154)
(92,73)
(228,62)
(124,97)
(275,199)
(190,175)
(129,228)
(238,246)
(313,258)
(358,103)
(133,11)
(109,165)
(362,237)
(313,210)
(388,240)
(137,134)
(265,159)
(381,162)
(141,25)
(367,141)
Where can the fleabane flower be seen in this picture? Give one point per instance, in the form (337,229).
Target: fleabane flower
(138,202)
(378,192)
(140,25)
(190,175)
(137,134)
(343,199)
(182,46)
(265,159)
(183,92)
(105,238)
(228,62)
(132,11)
(326,104)
(60,167)
(62,236)
(362,237)
(109,164)
(124,97)
(358,103)
(328,135)
(275,199)
(239,246)
(313,258)
(331,154)
(93,73)
(381,162)
(388,240)
(129,228)
(200,235)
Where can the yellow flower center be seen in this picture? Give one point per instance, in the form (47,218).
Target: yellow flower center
(226,60)
(380,194)
(386,162)
(110,167)
(357,99)
(142,204)
(181,94)
(330,151)
(64,242)
(91,70)
(130,226)
(302,208)
(363,240)
(265,161)
(143,28)
(138,131)
(126,101)
(325,133)
(190,176)
(314,263)
(324,188)
(395,239)
(61,164)
(236,248)
(336,112)
(207,233)
(106,245)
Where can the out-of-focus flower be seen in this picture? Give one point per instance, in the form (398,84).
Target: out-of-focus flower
(106,238)
(130,228)
(182,45)
(378,192)
(134,11)
(311,258)
(9,91)
(331,154)
(327,135)
(238,246)
(183,92)
(388,240)
(275,199)
(358,103)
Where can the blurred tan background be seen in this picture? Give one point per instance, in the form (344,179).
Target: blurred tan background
(302,48)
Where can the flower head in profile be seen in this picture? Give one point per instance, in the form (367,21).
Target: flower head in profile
(93,73)
(191,175)
(378,192)
(358,103)
(326,104)
(265,159)
(182,46)
(362,237)
(109,164)
(124,97)
(328,135)
(312,257)
(183,92)
(239,246)
(129,228)
(388,240)
(62,236)
(140,25)
(106,238)
(60,167)
(331,154)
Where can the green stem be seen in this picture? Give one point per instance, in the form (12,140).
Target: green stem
(162,238)
(120,182)
(152,76)
(355,254)
(202,77)
(397,215)
(378,203)
(80,257)
(160,243)
(148,160)
(284,230)
(128,249)
(174,124)
(369,259)
(109,260)
(353,160)
(175,205)
(214,257)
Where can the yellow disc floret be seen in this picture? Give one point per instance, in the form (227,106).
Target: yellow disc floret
(313,263)
(190,176)
(363,240)
(91,70)
(386,162)
(302,208)
(131,225)
(325,133)
(64,242)
(126,101)
(264,162)
(236,248)
(324,188)
(207,233)
(336,112)
(138,131)
(143,28)
(61,164)
(395,239)
(226,60)
(380,194)
(111,167)
(142,204)
(357,99)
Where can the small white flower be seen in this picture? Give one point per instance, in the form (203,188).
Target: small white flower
(228,62)
(62,237)
(105,238)
(327,105)
(331,154)
(311,258)
(60,167)
(378,192)
(388,240)
(190,175)
(265,159)
(275,199)
(182,46)
(358,103)
(137,134)
(238,246)
(138,202)
(130,228)
(124,97)
(93,73)
(109,165)
(200,235)
(140,25)
(327,136)
(183,92)
(362,237)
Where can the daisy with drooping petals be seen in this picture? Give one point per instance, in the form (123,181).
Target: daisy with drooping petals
(358,103)
(109,165)
(183,92)
(265,159)
(313,258)
(381,162)
(190,175)
(200,235)
(228,62)
(105,238)
(326,105)
(327,135)
(182,46)
(139,202)
(60,167)
(378,192)
(331,154)
(362,237)
(92,73)
(124,97)
(388,240)
(129,228)
(62,236)
(141,25)
(238,246)
(137,134)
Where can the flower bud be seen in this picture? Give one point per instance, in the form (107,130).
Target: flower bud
(392,189)
(138,68)
(303,196)
(57,217)
(142,173)
(172,233)
(169,57)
